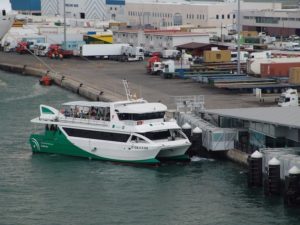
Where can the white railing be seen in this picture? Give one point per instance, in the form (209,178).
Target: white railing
(189,103)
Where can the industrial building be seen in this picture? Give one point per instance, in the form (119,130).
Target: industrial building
(158,40)
(256,128)
(199,14)
(275,22)
(85,9)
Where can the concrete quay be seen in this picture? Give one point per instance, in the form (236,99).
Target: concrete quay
(102,80)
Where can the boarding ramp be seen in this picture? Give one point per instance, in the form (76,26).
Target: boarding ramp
(189,103)
(213,138)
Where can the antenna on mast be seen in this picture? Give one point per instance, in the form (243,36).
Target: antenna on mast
(127,90)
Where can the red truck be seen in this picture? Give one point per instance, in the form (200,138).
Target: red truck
(151,62)
(22,47)
(57,52)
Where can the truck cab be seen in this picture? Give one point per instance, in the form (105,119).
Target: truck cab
(167,69)
(289,98)
(133,53)
(156,68)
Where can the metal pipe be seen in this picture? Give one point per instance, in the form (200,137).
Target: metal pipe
(239,36)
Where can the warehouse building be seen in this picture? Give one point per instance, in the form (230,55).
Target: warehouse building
(266,127)
(279,23)
(200,14)
(85,9)
(158,40)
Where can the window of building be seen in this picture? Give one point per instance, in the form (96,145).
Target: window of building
(228,16)
(272,20)
(223,16)
(217,16)
(233,16)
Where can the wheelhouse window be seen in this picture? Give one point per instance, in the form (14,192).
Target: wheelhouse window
(144,116)
(157,135)
(136,139)
(171,135)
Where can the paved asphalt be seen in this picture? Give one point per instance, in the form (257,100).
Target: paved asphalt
(107,76)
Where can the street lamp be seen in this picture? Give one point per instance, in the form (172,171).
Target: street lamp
(239,45)
(65,26)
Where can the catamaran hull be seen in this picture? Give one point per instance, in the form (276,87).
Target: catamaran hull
(174,152)
(58,143)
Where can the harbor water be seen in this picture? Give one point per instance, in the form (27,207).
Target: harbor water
(47,189)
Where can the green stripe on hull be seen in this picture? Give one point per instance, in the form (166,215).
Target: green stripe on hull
(55,142)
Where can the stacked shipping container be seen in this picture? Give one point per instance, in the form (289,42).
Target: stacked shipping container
(277,69)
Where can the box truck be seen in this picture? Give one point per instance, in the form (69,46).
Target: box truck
(122,52)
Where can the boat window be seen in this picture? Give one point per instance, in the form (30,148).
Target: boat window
(144,116)
(97,113)
(157,135)
(99,135)
(136,139)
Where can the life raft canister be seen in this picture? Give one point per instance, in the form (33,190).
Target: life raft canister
(46,80)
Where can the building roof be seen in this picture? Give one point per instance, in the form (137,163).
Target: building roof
(178,34)
(195,45)
(173,33)
(283,116)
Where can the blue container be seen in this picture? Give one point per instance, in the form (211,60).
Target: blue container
(91,33)
(26,5)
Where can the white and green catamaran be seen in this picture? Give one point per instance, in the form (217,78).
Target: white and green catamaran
(126,131)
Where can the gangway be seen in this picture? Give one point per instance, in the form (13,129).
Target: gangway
(189,103)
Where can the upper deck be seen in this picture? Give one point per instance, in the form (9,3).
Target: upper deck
(134,116)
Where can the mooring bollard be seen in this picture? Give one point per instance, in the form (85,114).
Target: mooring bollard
(187,129)
(255,170)
(196,140)
(272,178)
(292,188)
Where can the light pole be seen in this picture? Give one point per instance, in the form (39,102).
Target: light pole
(239,45)
(65,26)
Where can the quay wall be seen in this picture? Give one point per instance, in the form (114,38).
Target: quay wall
(237,156)
(61,80)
